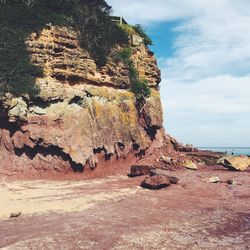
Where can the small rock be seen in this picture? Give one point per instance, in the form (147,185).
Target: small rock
(14,215)
(231,182)
(190,165)
(156,182)
(138,170)
(214,179)
(173,179)
(166,159)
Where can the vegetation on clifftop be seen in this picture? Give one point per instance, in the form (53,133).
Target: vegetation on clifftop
(91,18)
(20,18)
(139,30)
(138,86)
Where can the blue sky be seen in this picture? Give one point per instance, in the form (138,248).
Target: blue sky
(203,50)
(163,36)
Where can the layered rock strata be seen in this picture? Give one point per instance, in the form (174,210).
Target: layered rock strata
(83,111)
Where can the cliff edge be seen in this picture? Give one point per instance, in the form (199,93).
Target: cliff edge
(84,113)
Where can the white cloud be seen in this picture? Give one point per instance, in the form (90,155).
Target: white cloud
(211,110)
(145,11)
(206,83)
(217,42)
(167,10)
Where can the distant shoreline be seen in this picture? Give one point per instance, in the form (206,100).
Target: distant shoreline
(223,147)
(229,150)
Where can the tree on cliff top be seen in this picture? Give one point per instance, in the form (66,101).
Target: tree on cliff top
(19,18)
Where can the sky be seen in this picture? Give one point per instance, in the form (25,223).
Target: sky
(203,51)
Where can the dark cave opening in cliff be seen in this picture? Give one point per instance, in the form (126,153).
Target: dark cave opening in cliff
(121,145)
(152,131)
(136,146)
(76,100)
(46,151)
(12,127)
(108,156)
(102,150)
(39,102)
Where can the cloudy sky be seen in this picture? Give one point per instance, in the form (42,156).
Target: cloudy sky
(203,50)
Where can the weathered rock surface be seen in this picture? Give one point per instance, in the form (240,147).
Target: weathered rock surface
(204,156)
(57,50)
(190,165)
(239,163)
(83,114)
(156,182)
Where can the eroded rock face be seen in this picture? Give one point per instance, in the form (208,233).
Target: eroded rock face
(57,51)
(82,111)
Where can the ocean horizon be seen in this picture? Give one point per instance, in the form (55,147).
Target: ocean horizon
(229,150)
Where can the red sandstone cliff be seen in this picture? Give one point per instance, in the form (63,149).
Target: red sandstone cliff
(83,113)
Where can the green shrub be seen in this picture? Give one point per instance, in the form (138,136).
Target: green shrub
(138,86)
(129,29)
(98,33)
(141,89)
(124,55)
(140,31)
(17,74)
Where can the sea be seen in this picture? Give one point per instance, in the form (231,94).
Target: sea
(229,150)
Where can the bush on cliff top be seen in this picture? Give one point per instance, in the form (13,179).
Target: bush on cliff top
(19,18)
(138,86)
(139,30)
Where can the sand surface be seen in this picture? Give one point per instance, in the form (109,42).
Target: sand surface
(39,197)
(115,213)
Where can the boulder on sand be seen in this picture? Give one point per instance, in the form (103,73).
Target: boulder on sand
(138,170)
(156,182)
(239,163)
(190,165)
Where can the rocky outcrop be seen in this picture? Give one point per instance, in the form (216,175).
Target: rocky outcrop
(57,51)
(83,113)
(238,163)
